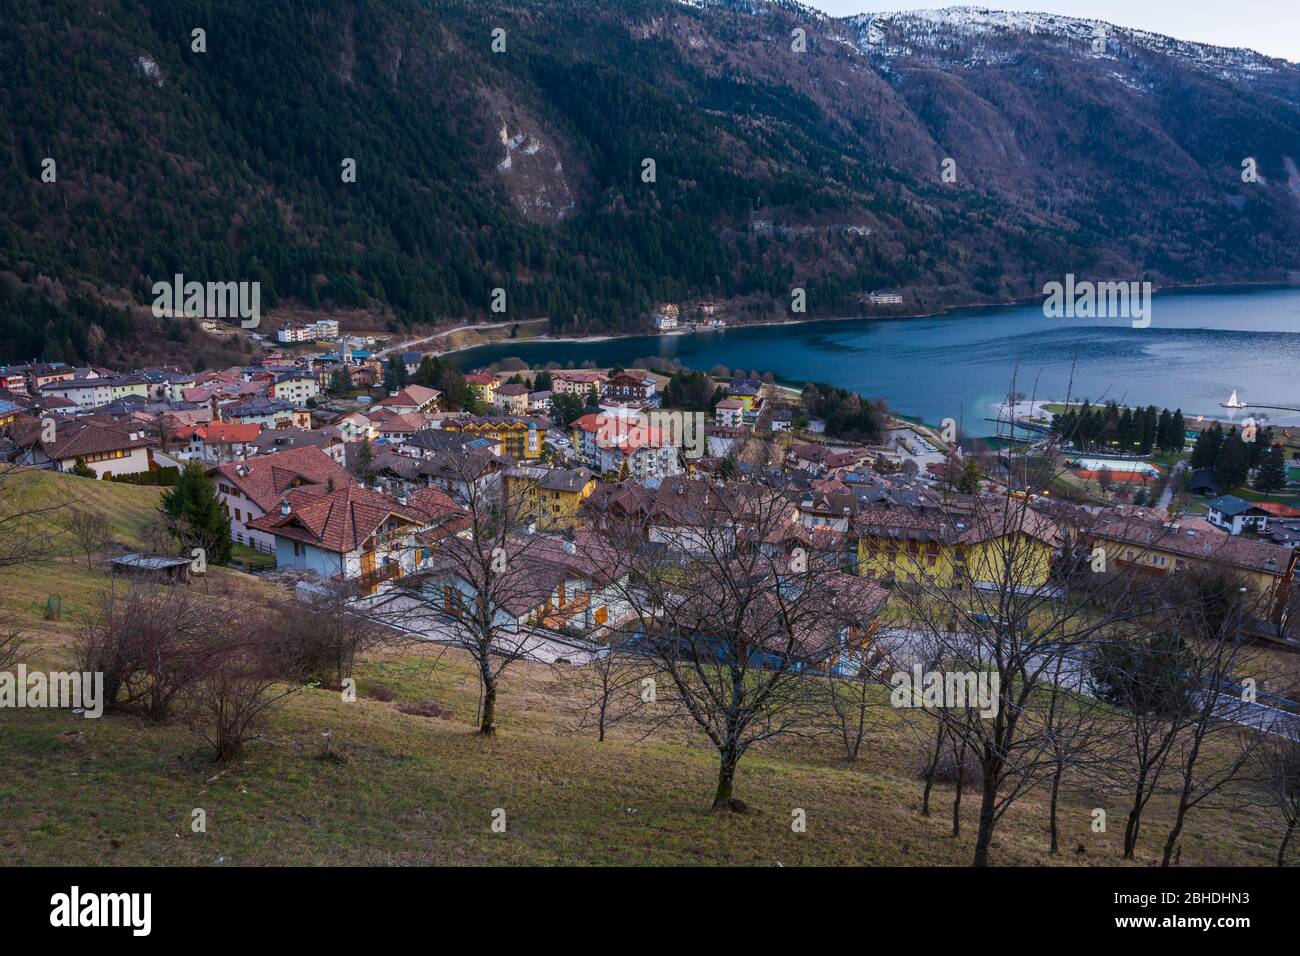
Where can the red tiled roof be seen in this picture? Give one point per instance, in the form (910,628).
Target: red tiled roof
(341,521)
(266,478)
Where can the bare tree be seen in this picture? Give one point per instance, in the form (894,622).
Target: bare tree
(484,589)
(618,684)
(1276,767)
(854,700)
(230,700)
(324,631)
(11,642)
(738,625)
(91,531)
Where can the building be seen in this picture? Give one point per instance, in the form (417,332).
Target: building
(1266,570)
(550,497)
(253,488)
(625,446)
(577,383)
(108,449)
(214,443)
(968,543)
(355,534)
(666,317)
(629,388)
(293,334)
(1234,515)
(83,392)
(511,399)
(297,388)
(729,413)
(886,297)
(484,385)
(267,412)
(518,437)
(413,398)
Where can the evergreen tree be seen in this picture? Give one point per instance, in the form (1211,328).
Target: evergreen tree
(82,470)
(969,482)
(1162,430)
(1271,474)
(1234,461)
(1177,432)
(193,502)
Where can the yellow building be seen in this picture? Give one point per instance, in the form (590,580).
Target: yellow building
(1266,570)
(549,496)
(122,387)
(484,385)
(958,546)
(520,438)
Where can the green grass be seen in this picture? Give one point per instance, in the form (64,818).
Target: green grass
(414,790)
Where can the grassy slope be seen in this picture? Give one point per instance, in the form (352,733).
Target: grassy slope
(418,790)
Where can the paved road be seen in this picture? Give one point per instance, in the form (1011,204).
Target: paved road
(403,346)
(403,613)
(1173,484)
(907,647)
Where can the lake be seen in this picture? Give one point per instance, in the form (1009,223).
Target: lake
(1199,347)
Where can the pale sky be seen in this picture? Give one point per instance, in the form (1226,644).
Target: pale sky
(1268,26)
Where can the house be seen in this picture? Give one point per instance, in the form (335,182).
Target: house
(355,534)
(666,317)
(411,361)
(729,413)
(577,383)
(629,388)
(355,427)
(253,488)
(549,497)
(8,412)
(539,403)
(108,449)
(781,420)
(84,393)
(1266,569)
(413,398)
(397,428)
(294,387)
(13,380)
(484,385)
(272,440)
(511,399)
(1234,515)
(967,542)
(267,412)
(214,443)
(568,584)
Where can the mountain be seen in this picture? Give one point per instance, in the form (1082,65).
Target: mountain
(524,169)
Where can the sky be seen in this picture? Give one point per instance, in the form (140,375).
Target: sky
(1271,27)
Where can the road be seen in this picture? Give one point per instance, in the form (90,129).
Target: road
(907,646)
(403,346)
(1175,482)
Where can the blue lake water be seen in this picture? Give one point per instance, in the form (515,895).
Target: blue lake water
(1199,347)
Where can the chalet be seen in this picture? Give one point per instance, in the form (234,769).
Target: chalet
(729,413)
(108,449)
(413,398)
(630,388)
(355,534)
(1234,515)
(253,488)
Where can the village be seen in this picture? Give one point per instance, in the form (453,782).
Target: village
(653,523)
